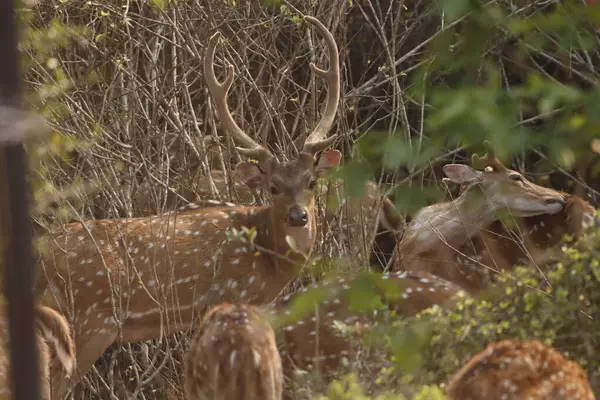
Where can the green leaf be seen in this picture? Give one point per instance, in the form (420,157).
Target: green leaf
(410,199)
(455,9)
(355,174)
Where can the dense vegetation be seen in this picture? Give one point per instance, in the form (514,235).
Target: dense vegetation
(423,83)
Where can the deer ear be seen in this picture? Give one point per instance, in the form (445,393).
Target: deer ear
(250,174)
(326,160)
(461,174)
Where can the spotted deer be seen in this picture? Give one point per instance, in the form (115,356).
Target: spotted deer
(439,232)
(139,279)
(52,331)
(515,370)
(312,342)
(346,220)
(531,241)
(233,355)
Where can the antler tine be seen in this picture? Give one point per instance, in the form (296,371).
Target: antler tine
(317,139)
(219,92)
(489,159)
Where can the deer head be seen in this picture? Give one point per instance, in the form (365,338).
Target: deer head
(515,370)
(291,183)
(233,355)
(503,188)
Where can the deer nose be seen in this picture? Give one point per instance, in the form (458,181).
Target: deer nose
(297,216)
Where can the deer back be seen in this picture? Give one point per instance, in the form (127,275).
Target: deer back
(233,355)
(179,264)
(314,342)
(52,333)
(515,370)
(191,187)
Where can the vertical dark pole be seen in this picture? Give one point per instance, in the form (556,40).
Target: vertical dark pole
(15,226)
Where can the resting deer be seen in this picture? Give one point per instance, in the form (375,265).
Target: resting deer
(535,241)
(314,342)
(438,232)
(141,278)
(52,329)
(516,370)
(233,355)
(498,247)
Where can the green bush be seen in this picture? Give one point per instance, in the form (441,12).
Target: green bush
(560,309)
(349,388)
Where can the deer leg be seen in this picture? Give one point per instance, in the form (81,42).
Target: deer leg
(88,348)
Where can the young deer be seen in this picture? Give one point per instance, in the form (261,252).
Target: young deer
(438,232)
(52,329)
(141,278)
(314,342)
(233,355)
(515,370)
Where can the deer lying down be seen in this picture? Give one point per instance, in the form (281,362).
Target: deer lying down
(53,330)
(535,241)
(314,342)
(517,370)
(464,241)
(233,355)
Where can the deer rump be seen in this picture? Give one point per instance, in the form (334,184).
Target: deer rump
(512,370)
(52,333)
(234,356)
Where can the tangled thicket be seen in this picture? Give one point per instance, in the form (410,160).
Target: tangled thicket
(122,86)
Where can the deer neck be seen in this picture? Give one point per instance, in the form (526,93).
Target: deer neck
(452,223)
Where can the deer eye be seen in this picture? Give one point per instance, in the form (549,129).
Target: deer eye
(516,177)
(312,184)
(274,190)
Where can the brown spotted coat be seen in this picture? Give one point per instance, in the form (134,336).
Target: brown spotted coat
(313,342)
(233,355)
(517,370)
(502,245)
(52,334)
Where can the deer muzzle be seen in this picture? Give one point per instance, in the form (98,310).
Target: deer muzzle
(297,216)
(555,204)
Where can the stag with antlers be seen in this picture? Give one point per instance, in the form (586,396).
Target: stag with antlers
(141,278)
(439,232)
(350,224)
(52,330)
(515,370)
(233,355)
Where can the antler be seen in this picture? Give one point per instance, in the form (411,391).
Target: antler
(488,160)
(317,139)
(219,91)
